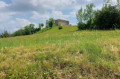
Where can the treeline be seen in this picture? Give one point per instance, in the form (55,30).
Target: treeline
(106,18)
(28,30)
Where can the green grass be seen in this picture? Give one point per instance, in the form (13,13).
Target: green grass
(61,54)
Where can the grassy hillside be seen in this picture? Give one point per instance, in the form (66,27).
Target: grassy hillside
(61,54)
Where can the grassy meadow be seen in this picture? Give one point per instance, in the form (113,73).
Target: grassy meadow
(61,54)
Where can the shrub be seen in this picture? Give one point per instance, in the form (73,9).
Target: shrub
(60,27)
(81,26)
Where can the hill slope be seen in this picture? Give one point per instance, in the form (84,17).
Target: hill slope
(61,54)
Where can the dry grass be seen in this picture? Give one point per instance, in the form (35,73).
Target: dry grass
(61,54)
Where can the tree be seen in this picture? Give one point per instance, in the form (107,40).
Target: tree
(32,29)
(80,15)
(18,33)
(111,2)
(29,29)
(40,26)
(51,22)
(85,17)
(5,34)
(118,4)
(89,15)
(107,18)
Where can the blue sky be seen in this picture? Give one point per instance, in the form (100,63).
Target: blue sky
(15,14)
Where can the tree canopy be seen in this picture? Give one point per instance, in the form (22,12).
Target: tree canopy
(51,22)
(107,18)
(85,16)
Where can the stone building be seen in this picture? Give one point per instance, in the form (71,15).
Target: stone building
(59,21)
(62,22)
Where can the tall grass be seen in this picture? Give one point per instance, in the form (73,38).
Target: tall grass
(61,54)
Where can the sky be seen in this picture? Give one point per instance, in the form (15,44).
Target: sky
(16,14)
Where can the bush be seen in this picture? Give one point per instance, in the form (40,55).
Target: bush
(81,26)
(60,27)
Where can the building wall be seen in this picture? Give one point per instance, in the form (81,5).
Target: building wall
(59,21)
(62,22)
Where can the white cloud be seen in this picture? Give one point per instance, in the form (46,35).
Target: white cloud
(4,16)
(114,2)
(89,0)
(54,14)
(37,15)
(39,5)
(40,10)
(22,22)
(3,4)
(58,15)
(57,4)
(14,25)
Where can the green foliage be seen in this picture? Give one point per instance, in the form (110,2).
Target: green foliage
(51,22)
(80,15)
(19,33)
(40,26)
(118,3)
(28,30)
(111,1)
(81,26)
(86,17)
(107,18)
(5,34)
